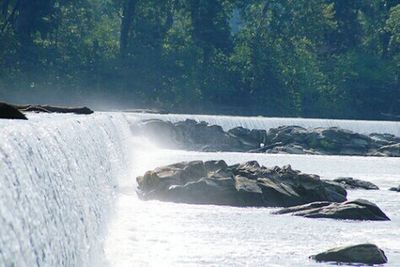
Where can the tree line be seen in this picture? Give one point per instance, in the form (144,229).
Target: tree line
(310,58)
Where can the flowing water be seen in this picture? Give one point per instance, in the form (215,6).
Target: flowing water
(67,198)
(57,180)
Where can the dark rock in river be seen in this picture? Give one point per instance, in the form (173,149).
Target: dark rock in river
(359,209)
(396,189)
(10,112)
(390,150)
(190,134)
(362,254)
(246,184)
(54,109)
(351,183)
(201,136)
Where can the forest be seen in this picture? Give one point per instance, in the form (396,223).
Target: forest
(302,58)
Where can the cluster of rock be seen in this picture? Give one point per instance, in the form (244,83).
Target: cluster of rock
(368,254)
(249,184)
(8,111)
(246,184)
(201,136)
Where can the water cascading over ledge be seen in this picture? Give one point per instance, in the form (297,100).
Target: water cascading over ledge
(57,179)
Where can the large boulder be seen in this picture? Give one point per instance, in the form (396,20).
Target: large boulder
(351,183)
(10,112)
(359,209)
(246,184)
(367,254)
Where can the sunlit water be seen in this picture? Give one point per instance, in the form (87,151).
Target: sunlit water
(67,198)
(164,234)
(57,180)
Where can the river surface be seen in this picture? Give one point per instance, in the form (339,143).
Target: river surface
(67,198)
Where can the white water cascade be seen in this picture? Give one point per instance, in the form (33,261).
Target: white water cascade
(57,179)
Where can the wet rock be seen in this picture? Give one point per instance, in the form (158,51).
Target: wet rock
(368,254)
(390,150)
(351,183)
(396,189)
(191,135)
(201,136)
(55,109)
(252,138)
(10,112)
(359,209)
(246,184)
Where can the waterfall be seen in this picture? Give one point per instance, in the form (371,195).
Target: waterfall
(229,122)
(57,179)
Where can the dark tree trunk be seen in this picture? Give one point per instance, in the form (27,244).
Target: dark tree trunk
(128,11)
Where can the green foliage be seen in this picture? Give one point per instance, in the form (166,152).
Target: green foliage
(317,58)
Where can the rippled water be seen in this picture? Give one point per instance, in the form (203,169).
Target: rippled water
(154,233)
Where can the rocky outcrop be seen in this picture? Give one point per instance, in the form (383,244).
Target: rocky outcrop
(246,184)
(54,109)
(10,112)
(328,141)
(201,136)
(351,183)
(357,254)
(396,189)
(192,135)
(359,209)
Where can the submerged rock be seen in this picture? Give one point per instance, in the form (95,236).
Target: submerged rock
(362,254)
(351,183)
(246,184)
(10,112)
(359,209)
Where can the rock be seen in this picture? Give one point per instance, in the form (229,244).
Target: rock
(359,209)
(191,135)
(396,189)
(288,149)
(351,183)
(55,109)
(10,112)
(252,138)
(362,254)
(385,139)
(201,136)
(390,150)
(246,184)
